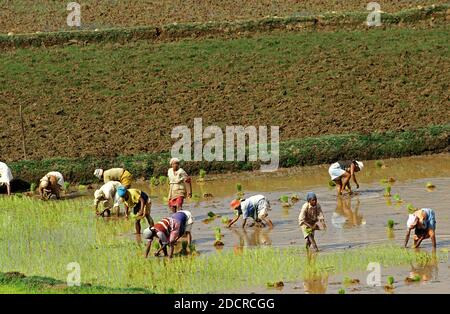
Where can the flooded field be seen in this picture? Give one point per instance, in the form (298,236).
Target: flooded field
(40,238)
(353,221)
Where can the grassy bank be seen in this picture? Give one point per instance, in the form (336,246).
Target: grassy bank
(22,16)
(42,238)
(306,151)
(227,28)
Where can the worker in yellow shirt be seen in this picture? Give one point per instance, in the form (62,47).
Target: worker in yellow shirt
(140,202)
(115,174)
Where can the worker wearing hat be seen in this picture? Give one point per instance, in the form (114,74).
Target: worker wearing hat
(342,171)
(115,174)
(423,221)
(108,196)
(140,202)
(255,207)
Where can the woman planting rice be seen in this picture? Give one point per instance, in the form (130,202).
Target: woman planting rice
(51,184)
(140,202)
(168,231)
(342,171)
(109,197)
(5,177)
(256,207)
(178,178)
(115,174)
(310,219)
(423,221)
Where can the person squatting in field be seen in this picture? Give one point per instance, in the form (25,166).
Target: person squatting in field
(140,202)
(115,174)
(342,171)
(310,219)
(178,179)
(5,177)
(168,231)
(256,207)
(50,185)
(108,196)
(423,221)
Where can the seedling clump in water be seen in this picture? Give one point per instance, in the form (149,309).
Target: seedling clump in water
(390,224)
(66,186)
(387,191)
(341,291)
(154,181)
(379,163)
(285,201)
(218,236)
(411,208)
(202,175)
(430,185)
(240,193)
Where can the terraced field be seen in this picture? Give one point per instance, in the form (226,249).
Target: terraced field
(21,16)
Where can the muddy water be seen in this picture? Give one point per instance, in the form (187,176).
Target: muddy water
(352,221)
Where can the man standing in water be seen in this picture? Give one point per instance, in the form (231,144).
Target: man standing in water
(423,221)
(178,178)
(342,171)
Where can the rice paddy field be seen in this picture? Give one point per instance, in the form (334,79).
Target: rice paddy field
(110,92)
(39,239)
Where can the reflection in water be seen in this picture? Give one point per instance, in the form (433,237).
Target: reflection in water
(253,237)
(345,215)
(316,285)
(427,271)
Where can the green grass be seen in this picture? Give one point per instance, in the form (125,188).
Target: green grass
(41,238)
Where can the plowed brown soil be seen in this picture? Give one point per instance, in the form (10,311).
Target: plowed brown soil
(110,99)
(20,16)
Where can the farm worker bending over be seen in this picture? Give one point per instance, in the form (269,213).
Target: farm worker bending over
(168,231)
(107,195)
(423,221)
(342,171)
(115,174)
(310,219)
(178,178)
(140,202)
(256,207)
(51,184)
(5,177)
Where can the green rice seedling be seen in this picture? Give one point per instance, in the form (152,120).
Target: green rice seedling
(163,180)
(430,185)
(379,163)
(66,186)
(350,281)
(341,291)
(212,215)
(240,192)
(390,224)
(202,174)
(285,201)
(82,187)
(155,245)
(225,220)
(33,187)
(331,184)
(415,278)
(411,209)
(384,181)
(184,246)
(154,181)
(387,191)
(397,197)
(218,236)
(390,280)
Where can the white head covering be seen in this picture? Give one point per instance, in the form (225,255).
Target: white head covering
(360,165)
(147,233)
(174,159)
(411,220)
(98,173)
(98,194)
